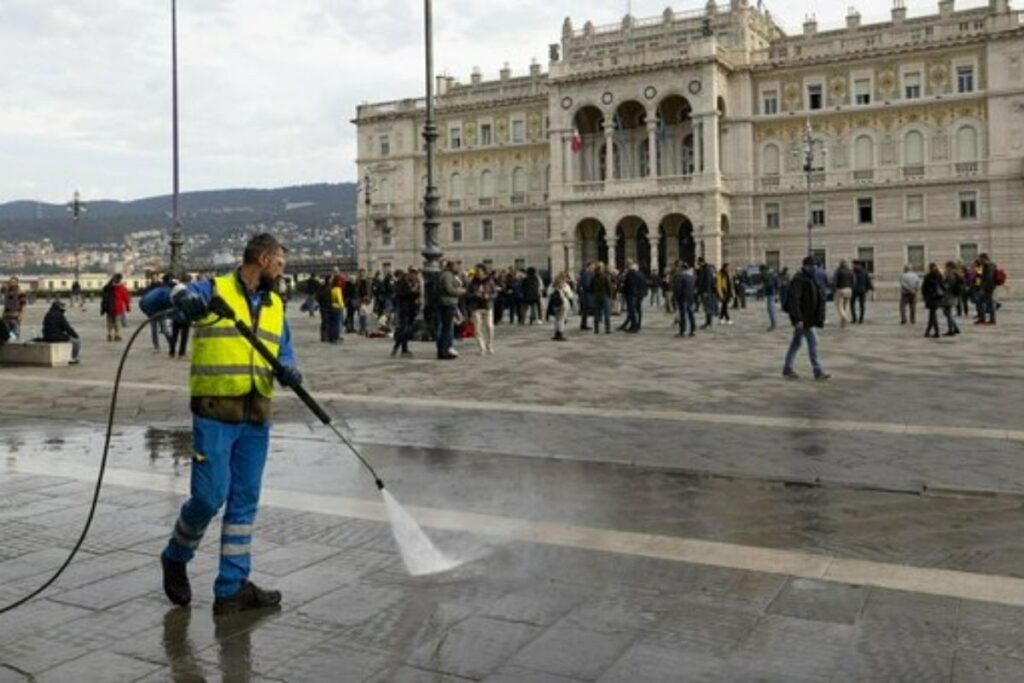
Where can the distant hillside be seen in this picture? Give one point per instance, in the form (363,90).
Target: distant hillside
(215,212)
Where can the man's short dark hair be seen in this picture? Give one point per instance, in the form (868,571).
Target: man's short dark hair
(260,245)
(808,261)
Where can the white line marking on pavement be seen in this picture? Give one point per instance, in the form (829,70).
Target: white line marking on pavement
(942,582)
(769,422)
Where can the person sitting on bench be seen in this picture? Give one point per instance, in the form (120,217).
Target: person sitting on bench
(56,328)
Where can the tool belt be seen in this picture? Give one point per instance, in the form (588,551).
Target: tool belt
(252,408)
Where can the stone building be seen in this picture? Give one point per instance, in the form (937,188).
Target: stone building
(688,134)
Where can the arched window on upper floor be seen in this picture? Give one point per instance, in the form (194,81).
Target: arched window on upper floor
(384,191)
(913,149)
(967,144)
(486,184)
(770,160)
(455,186)
(518,181)
(863,153)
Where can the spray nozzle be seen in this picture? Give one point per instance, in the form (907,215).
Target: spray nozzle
(380,484)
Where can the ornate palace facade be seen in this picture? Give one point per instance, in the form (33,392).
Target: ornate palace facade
(687,134)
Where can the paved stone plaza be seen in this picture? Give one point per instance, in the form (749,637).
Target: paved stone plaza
(631,508)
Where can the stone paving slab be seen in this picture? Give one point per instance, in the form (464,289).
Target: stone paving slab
(526,613)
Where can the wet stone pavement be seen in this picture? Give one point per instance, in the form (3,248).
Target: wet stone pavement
(677,542)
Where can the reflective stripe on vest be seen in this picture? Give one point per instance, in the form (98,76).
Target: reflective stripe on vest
(223,362)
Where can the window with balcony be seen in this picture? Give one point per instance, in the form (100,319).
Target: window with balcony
(455,137)
(456,231)
(770,102)
(518,228)
(486,134)
(968,206)
(916,257)
(772,219)
(965,79)
(912,85)
(518,130)
(815,98)
(487,230)
(865,210)
(915,208)
(862,91)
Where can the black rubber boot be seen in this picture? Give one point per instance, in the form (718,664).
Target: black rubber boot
(249,598)
(176,585)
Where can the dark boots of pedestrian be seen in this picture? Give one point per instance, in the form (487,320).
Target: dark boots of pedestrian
(176,585)
(249,598)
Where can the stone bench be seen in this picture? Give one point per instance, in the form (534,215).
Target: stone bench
(48,354)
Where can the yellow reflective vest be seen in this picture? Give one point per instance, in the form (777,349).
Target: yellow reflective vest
(224,364)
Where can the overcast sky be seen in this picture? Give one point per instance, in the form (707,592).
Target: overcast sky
(267,87)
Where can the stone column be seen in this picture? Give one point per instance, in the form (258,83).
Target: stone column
(609,142)
(711,142)
(652,149)
(698,146)
(569,163)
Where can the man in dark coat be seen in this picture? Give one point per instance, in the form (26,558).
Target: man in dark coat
(805,304)
(56,328)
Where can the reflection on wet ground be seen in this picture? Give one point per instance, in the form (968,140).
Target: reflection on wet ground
(974,534)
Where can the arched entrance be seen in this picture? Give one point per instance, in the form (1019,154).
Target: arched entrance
(631,242)
(675,241)
(589,125)
(591,242)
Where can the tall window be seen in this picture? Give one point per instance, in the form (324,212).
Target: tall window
(865,210)
(773,259)
(968,206)
(385,145)
(814,97)
(385,233)
(820,257)
(455,187)
(770,162)
(915,208)
(912,85)
(866,255)
(520,264)
(383,191)
(967,144)
(486,134)
(916,257)
(518,228)
(518,130)
(864,153)
(486,184)
(770,102)
(913,149)
(487,230)
(968,252)
(771,215)
(455,137)
(818,213)
(862,91)
(518,182)
(965,79)
(456,231)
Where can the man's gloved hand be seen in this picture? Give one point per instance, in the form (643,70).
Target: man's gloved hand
(290,376)
(187,303)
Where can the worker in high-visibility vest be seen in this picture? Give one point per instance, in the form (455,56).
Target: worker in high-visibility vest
(231,387)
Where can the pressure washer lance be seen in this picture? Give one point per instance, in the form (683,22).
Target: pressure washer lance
(222,309)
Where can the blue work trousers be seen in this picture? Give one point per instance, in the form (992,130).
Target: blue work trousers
(770,304)
(684,304)
(227,468)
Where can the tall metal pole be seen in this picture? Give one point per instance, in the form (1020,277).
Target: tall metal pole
(808,166)
(77,208)
(177,240)
(431,248)
(366,206)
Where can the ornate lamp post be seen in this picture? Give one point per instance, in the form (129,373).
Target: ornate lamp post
(431,248)
(76,208)
(177,239)
(811,146)
(366,187)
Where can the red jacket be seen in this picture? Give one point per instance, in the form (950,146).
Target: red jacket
(122,299)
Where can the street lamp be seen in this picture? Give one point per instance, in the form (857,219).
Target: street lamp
(177,240)
(366,187)
(810,145)
(431,248)
(76,208)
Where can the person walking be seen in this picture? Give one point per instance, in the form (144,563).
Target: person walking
(450,289)
(684,289)
(583,290)
(532,287)
(481,294)
(805,304)
(232,391)
(602,291)
(861,286)
(770,283)
(337,310)
(633,284)
(910,283)
(158,326)
(407,305)
(559,304)
(707,291)
(843,282)
(724,286)
(986,291)
(933,291)
(115,303)
(15,302)
(954,286)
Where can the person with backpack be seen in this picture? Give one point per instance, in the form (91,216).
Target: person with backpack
(991,277)
(933,290)
(805,304)
(954,290)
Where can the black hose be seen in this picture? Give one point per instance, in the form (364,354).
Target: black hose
(99,478)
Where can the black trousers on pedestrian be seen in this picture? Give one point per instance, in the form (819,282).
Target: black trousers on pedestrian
(933,321)
(179,337)
(859,298)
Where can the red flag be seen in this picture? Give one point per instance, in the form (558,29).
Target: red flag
(577,142)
